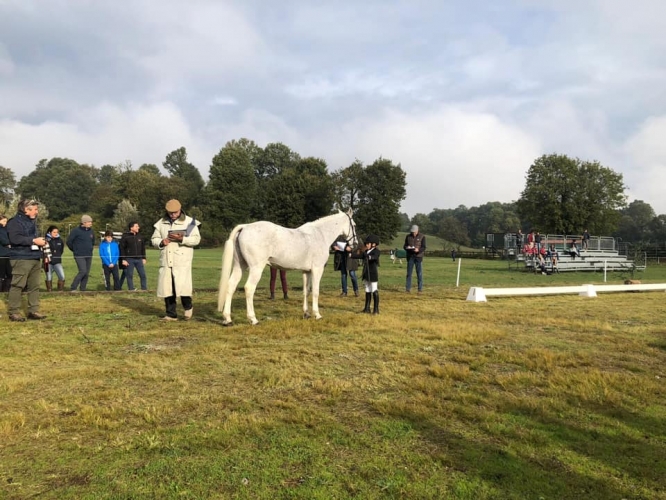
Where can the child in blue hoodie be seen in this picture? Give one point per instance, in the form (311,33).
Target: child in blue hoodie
(109,252)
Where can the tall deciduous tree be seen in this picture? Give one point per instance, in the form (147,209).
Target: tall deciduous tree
(7,185)
(177,165)
(284,199)
(346,186)
(63,185)
(317,188)
(381,189)
(451,229)
(269,164)
(422,220)
(232,187)
(563,195)
(637,222)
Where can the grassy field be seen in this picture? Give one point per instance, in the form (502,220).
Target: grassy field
(555,397)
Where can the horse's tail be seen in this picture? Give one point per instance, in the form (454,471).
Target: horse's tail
(227,261)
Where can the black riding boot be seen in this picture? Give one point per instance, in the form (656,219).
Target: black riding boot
(368,297)
(375,301)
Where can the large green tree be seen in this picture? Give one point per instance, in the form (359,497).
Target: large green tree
(346,186)
(317,186)
(451,229)
(192,182)
(269,164)
(232,187)
(7,185)
(637,222)
(381,190)
(63,185)
(565,195)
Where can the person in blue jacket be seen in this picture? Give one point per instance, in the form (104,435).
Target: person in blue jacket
(109,252)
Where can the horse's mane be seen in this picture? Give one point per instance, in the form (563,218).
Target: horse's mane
(324,219)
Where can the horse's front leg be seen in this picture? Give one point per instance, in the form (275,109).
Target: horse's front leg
(250,287)
(306,286)
(316,279)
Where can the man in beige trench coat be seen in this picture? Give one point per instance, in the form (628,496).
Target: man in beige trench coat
(175,235)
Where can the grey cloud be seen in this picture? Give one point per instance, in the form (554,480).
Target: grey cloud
(326,78)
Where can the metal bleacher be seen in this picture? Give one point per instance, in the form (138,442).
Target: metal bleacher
(602,253)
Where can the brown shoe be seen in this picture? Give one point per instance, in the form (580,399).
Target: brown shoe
(16,317)
(36,316)
(169,318)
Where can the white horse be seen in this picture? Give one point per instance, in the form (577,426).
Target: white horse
(305,248)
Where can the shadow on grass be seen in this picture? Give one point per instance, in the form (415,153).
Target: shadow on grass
(531,473)
(601,439)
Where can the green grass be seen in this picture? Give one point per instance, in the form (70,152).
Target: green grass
(527,397)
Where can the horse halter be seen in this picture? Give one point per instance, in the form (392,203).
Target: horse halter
(353,229)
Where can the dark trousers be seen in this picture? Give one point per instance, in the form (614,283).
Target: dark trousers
(5,268)
(170,302)
(283,280)
(5,274)
(84,264)
(129,273)
(26,278)
(108,272)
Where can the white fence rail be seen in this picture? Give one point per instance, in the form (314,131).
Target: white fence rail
(479,294)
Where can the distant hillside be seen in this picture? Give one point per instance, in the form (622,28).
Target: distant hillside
(433,243)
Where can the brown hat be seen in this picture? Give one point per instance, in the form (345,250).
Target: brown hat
(173,206)
(86,218)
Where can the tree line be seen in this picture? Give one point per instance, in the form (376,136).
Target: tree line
(562,195)
(246,182)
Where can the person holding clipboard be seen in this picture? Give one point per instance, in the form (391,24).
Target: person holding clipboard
(176,235)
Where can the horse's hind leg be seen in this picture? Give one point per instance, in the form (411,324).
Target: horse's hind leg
(234,279)
(250,287)
(315,275)
(306,287)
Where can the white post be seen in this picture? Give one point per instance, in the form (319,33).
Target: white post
(458,277)
(605,271)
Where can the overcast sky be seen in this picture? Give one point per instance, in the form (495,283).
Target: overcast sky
(464,94)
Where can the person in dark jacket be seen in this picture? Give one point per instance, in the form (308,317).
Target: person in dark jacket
(415,246)
(370,256)
(5,266)
(343,262)
(25,258)
(81,241)
(57,247)
(133,255)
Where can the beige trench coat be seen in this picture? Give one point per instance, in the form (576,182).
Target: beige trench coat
(176,258)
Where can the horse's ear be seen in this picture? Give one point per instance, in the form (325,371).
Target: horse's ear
(350,212)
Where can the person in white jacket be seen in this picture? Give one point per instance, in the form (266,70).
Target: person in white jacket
(176,234)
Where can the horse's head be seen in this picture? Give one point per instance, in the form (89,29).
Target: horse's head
(350,232)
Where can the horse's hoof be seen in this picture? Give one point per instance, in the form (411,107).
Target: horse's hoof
(254,322)
(227,323)
(306,316)
(318,316)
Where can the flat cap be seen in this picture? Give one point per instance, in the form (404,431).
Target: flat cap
(173,206)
